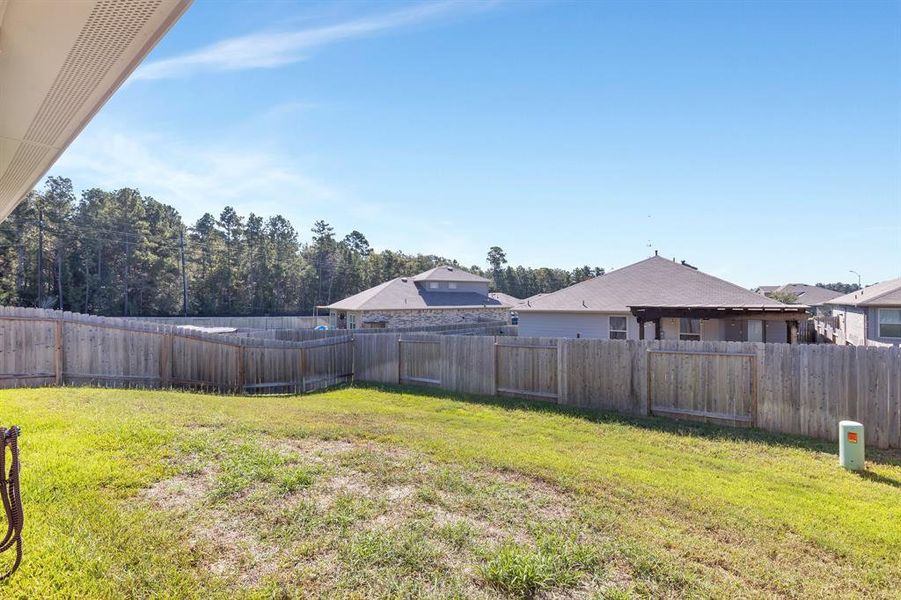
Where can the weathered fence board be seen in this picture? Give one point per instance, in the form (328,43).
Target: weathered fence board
(42,347)
(703,384)
(420,359)
(527,367)
(376,358)
(461,364)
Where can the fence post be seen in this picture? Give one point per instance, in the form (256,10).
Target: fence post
(166,348)
(303,371)
(400,354)
(755,389)
(241,375)
(495,366)
(647,366)
(58,352)
(561,373)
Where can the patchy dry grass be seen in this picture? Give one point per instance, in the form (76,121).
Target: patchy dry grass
(372,493)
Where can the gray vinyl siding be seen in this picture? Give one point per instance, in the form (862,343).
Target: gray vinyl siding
(568,325)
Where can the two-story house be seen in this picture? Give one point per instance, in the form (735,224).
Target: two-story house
(439,296)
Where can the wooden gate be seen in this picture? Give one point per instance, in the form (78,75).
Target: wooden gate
(708,386)
(419,361)
(527,368)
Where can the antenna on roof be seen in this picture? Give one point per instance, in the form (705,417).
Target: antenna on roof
(583,304)
(655,253)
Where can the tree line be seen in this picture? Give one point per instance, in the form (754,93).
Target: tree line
(123,253)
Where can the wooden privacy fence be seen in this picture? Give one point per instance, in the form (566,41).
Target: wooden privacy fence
(798,389)
(43,347)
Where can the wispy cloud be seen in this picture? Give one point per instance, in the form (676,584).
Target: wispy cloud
(271,49)
(193,177)
(197,178)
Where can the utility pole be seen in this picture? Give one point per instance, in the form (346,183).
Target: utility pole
(125,305)
(59,274)
(40,256)
(858,278)
(184,273)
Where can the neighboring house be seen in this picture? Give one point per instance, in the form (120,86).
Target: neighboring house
(659,299)
(867,317)
(443,295)
(809,295)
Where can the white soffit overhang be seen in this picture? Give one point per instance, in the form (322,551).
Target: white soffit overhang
(60,60)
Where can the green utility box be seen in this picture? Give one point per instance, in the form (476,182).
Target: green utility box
(850,445)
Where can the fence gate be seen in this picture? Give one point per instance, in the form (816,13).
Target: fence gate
(527,369)
(709,386)
(419,361)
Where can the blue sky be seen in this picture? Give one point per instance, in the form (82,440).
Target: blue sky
(759,141)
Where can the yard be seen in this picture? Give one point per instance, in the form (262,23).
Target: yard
(401,492)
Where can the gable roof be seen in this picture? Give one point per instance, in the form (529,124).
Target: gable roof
(505,299)
(887,293)
(403,293)
(448,273)
(654,281)
(809,295)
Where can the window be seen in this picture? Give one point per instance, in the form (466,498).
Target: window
(452,285)
(890,322)
(351,321)
(433,285)
(617,328)
(690,329)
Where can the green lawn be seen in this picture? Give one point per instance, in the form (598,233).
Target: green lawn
(396,492)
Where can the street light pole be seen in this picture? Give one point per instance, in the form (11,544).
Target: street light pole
(858,278)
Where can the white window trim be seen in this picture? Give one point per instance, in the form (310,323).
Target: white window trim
(879,323)
(611,330)
(351,321)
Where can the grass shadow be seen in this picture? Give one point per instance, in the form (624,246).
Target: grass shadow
(877,478)
(677,427)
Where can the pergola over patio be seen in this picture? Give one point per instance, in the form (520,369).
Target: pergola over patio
(790,314)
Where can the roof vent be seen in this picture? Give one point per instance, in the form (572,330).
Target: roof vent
(404,279)
(450,268)
(685,264)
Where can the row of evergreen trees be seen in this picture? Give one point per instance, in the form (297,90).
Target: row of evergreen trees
(122,253)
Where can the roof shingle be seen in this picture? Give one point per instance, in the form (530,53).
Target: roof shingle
(654,281)
(886,293)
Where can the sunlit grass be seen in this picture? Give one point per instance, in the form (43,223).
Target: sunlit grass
(404,493)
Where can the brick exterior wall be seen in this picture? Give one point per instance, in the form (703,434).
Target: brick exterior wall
(418,318)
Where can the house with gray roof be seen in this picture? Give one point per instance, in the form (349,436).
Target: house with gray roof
(812,296)
(439,296)
(867,317)
(660,299)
